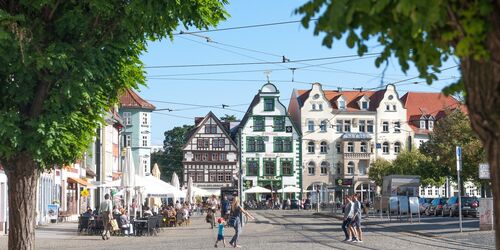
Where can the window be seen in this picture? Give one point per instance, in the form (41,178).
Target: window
(385,148)
(362,126)
(279,123)
(431,125)
(286,167)
(145,118)
(228,177)
(363,147)
(258,123)
(282,144)
(385,127)
(218,142)
(364,105)
(422,192)
(220,177)
(203,143)
(320,106)
(255,144)
(397,127)
(144,140)
(369,127)
(215,157)
(394,107)
(322,126)
(323,147)
(197,157)
(128,140)
(310,125)
(210,129)
(269,104)
(339,125)
(311,168)
(387,108)
(222,157)
(199,177)
(145,165)
(204,157)
(422,124)
(310,147)
(341,104)
(339,167)
(127,118)
(324,168)
(269,167)
(397,147)
(252,167)
(350,167)
(347,126)
(362,170)
(350,147)
(339,149)
(313,106)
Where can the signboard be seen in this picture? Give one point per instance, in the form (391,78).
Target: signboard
(393,204)
(343,182)
(458,153)
(414,206)
(403,205)
(289,129)
(53,211)
(484,171)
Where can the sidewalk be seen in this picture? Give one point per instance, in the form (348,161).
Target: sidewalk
(442,227)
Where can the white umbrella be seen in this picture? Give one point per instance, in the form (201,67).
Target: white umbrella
(289,189)
(189,191)
(175,181)
(128,178)
(117,183)
(257,189)
(156,173)
(201,192)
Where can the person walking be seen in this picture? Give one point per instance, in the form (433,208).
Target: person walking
(348,216)
(356,221)
(220,233)
(105,210)
(236,216)
(212,203)
(225,206)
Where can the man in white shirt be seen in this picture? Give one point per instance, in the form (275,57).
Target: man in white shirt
(356,221)
(105,210)
(348,216)
(213,203)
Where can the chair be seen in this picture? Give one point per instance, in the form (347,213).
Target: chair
(83,224)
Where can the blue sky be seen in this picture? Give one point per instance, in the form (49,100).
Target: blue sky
(202,87)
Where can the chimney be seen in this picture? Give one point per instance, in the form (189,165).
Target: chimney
(197,120)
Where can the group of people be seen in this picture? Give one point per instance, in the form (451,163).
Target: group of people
(352,219)
(235,213)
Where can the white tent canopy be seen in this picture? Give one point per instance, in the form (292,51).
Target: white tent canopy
(257,189)
(289,189)
(154,187)
(200,192)
(116,183)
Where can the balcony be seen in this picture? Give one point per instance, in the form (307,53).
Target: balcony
(362,156)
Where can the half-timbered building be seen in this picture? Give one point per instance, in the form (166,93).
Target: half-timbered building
(210,155)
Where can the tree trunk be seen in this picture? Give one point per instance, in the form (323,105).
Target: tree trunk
(22,176)
(482,82)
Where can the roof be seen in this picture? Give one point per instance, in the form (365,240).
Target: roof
(197,128)
(130,99)
(351,97)
(427,104)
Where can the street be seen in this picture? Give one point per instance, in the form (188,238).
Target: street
(277,229)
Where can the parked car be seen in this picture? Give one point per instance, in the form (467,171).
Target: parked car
(436,206)
(423,204)
(469,207)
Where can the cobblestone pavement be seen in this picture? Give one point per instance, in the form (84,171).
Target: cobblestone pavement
(271,230)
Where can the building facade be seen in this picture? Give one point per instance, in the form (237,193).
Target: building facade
(210,155)
(343,132)
(270,146)
(136,115)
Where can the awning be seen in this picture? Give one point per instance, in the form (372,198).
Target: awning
(78,180)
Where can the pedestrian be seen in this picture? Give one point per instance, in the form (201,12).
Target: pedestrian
(236,216)
(105,211)
(220,234)
(356,221)
(348,216)
(225,206)
(213,203)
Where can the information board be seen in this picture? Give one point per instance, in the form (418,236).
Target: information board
(414,205)
(393,204)
(403,205)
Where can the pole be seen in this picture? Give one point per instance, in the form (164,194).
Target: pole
(240,171)
(459,168)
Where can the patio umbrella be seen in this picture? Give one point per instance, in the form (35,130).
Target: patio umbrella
(257,189)
(189,193)
(128,178)
(175,181)
(156,173)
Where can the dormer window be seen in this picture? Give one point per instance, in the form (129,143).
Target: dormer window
(269,104)
(341,104)
(431,124)
(422,124)
(320,106)
(364,105)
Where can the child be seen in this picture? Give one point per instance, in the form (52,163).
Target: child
(220,234)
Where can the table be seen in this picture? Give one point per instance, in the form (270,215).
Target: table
(137,227)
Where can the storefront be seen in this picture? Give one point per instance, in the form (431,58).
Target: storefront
(47,193)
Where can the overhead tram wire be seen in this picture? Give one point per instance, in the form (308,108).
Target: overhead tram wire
(241,27)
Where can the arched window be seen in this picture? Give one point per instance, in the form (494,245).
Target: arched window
(363,147)
(324,168)
(310,147)
(311,168)
(397,147)
(339,149)
(324,147)
(310,125)
(385,148)
(350,147)
(385,127)
(322,126)
(350,167)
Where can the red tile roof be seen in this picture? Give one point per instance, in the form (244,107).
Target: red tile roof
(130,99)
(425,103)
(351,97)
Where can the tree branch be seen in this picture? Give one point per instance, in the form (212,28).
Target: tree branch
(455,21)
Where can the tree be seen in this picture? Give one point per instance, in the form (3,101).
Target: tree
(63,64)
(378,170)
(170,159)
(455,130)
(229,118)
(426,33)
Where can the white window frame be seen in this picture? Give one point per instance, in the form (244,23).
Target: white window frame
(422,124)
(385,127)
(128,140)
(397,127)
(384,151)
(311,147)
(145,141)
(144,118)
(127,118)
(310,125)
(430,124)
(323,147)
(323,126)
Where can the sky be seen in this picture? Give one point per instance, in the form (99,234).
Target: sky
(182,93)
